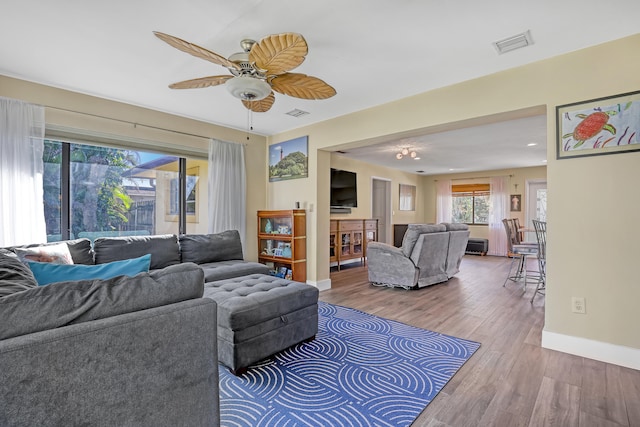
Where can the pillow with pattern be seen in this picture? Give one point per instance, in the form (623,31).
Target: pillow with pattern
(56,254)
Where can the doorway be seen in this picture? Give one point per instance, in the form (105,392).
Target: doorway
(536,206)
(381,207)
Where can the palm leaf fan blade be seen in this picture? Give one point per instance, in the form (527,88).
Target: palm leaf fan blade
(261,106)
(302,86)
(195,50)
(279,53)
(201,82)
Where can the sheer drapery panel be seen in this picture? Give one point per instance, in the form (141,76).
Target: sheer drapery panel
(497,212)
(21,168)
(227,188)
(444,201)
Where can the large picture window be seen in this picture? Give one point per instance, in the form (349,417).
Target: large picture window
(95,191)
(470,203)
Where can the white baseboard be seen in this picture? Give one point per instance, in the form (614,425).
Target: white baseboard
(597,350)
(322,285)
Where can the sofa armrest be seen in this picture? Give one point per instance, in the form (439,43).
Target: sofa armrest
(154,367)
(389,266)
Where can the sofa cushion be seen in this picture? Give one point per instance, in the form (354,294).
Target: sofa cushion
(453,226)
(202,248)
(46,273)
(164,249)
(227,269)
(14,275)
(66,303)
(414,231)
(55,254)
(81,251)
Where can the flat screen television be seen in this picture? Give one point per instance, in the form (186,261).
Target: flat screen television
(344,192)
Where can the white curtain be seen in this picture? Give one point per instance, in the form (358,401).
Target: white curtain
(444,202)
(227,187)
(21,167)
(499,204)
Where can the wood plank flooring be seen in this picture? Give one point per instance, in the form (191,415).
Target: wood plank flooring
(511,380)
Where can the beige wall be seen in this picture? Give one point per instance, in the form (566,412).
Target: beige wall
(72,114)
(365,173)
(518,176)
(591,233)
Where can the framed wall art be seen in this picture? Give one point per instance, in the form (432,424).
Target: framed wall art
(606,125)
(407,197)
(289,160)
(516,202)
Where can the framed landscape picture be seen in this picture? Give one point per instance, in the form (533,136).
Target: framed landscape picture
(289,160)
(607,125)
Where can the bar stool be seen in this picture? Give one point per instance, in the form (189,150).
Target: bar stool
(541,236)
(518,251)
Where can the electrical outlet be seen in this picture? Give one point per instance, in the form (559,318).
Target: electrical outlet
(578,305)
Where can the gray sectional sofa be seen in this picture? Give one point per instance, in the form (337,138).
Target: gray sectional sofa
(430,254)
(126,351)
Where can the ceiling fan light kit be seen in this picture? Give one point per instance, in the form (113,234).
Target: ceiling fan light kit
(262,67)
(248,88)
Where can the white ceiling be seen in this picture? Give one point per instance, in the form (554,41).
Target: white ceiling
(371,51)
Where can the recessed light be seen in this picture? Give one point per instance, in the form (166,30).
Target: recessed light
(416,158)
(531,144)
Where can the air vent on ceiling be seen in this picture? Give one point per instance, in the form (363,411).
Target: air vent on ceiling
(297,113)
(514,42)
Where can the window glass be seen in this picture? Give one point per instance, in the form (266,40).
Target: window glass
(119,192)
(197,206)
(52,184)
(470,203)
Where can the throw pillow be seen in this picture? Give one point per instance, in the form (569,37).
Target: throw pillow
(57,254)
(46,273)
(14,275)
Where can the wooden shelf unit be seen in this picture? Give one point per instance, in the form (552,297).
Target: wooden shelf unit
(348,238)
(288,231)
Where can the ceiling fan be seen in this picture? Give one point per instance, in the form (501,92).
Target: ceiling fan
(262,67)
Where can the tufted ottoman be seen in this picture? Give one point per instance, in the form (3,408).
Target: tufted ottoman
(260,315)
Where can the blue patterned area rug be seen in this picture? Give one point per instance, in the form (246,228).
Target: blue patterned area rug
(361,370)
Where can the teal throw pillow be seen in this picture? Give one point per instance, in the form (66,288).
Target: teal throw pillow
(46,273)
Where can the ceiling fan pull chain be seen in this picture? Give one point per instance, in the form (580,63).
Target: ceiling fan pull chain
(249,121)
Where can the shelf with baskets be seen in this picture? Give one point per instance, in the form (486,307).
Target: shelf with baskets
(282,242)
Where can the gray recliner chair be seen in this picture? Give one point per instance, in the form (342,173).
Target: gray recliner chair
(428,255)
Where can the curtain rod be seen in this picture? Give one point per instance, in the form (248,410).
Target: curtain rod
(477,177)
(131,123)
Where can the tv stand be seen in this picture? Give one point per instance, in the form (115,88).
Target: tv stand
(348,239)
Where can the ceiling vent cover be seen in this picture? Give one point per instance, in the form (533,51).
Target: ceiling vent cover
(514,42)
(297,113)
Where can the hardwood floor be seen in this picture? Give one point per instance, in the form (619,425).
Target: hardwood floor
(511,380)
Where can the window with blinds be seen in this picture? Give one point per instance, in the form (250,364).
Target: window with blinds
(470,203)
